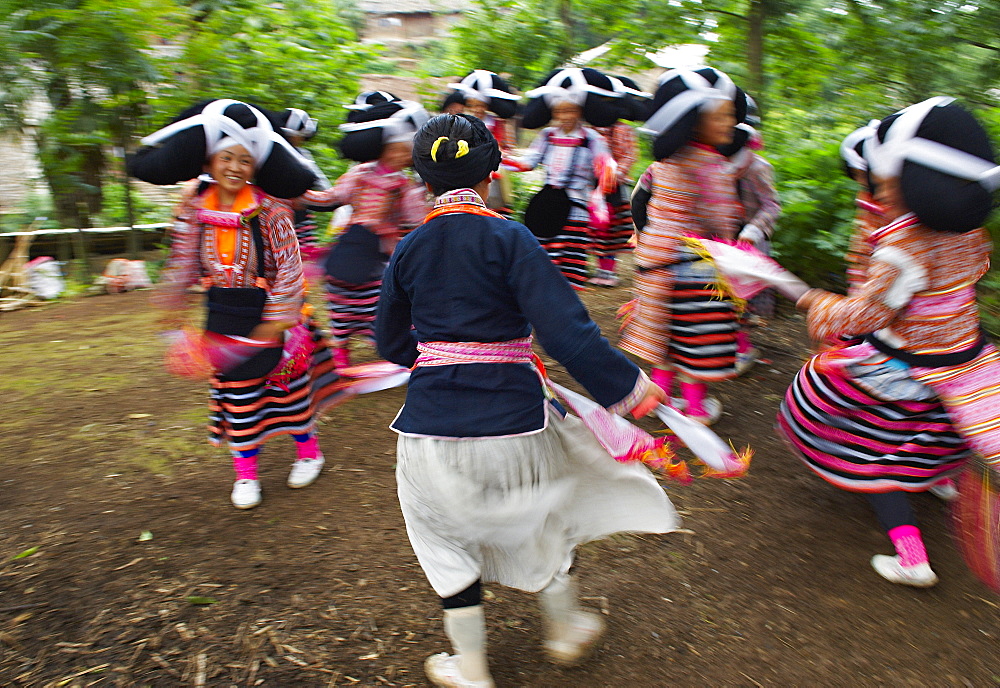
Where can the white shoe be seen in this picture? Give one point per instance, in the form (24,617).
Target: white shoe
(745,360)
(442,669)
(712,406)
(945,491)
(919,576)
(305,471)
(246,494)
(581,639)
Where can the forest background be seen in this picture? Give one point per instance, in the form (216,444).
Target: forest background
(818,69)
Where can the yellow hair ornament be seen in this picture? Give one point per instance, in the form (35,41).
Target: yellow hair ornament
(463,148)
(437,144)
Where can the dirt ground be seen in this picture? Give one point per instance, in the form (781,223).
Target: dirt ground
(123,514)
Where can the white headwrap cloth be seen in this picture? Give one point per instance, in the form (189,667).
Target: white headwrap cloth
(722,82)
(299,123)
(360,103)
(398,127)
(221,132)
(479,86)
(620,87)
(575,93)
(902,144)
(743,158)
(847,149)
(699,93)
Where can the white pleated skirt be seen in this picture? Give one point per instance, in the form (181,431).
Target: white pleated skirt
(511,510)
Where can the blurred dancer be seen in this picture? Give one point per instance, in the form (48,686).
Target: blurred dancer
(497,484)
(384,200)
(621,141)
(576,161)
(681,323)
(900,408)
(237,239)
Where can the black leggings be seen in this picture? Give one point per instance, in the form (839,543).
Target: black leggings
(892,509)
(469,597)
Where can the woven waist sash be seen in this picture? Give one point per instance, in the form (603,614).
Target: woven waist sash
(458,353)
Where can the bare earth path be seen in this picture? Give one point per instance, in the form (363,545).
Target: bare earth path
(320,588)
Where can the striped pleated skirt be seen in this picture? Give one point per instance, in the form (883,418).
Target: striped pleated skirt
(867,425)
(681,321)
(305,229)
(703,324)
(351,307)
(615,239)
(568,249)
(245,413)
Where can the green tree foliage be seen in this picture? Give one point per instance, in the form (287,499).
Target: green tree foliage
(83,66)
(297,53)
(523,39)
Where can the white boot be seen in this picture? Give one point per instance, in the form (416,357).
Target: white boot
(467,668)
(572,633)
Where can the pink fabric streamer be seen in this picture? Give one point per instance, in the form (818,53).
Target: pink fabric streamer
(620,438)
(748,271)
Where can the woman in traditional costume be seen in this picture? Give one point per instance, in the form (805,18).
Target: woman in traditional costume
(869,216)
(298,127)
(902,407)
(488,97)
(761,209)
(236,239)
(385,202)
(621,140)
(496,482)
(682,324)
(576,161)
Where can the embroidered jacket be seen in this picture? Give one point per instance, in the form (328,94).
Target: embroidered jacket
(384,201)
(193,256)
(755,182)
(622,144)
(572,161)
(918,293)
(463,277)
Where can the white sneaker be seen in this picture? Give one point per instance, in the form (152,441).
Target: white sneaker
(442,669)
(713,411)
(745,360)
(585,631)
(945,490)
(305,471)
(919,576)
(246,494)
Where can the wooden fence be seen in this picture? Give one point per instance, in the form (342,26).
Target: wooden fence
(86,244)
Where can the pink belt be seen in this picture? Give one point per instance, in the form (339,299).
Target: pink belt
(458,353)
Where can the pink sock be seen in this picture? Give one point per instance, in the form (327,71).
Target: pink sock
(341,356)
(742,341)
(664,379)
(308,449)
(694,395)
(909,545)
(606,263)
(245,466)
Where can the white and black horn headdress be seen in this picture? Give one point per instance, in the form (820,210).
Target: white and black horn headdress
(944,161)
(178,151)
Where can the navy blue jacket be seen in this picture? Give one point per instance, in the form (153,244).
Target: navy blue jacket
(468,278)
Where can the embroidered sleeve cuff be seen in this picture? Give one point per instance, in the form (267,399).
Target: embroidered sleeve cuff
(280,311)
(633,398)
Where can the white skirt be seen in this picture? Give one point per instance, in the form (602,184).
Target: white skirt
(511,510)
